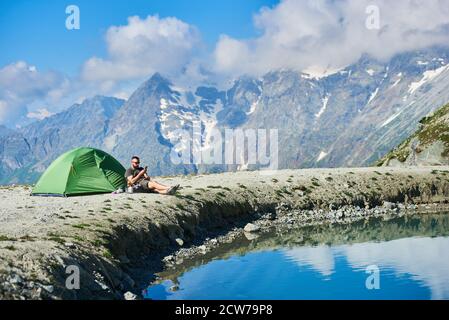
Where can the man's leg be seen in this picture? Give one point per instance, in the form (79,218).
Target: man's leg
(157,187)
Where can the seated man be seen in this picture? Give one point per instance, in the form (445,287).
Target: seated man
(137,176)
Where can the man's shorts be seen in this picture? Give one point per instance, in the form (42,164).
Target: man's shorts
(143,184)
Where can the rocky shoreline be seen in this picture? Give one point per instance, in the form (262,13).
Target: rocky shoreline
(119,242)
(293,220)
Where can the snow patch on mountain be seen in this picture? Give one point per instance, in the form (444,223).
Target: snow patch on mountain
(373,95)
(317,72)
(254,105)
(209,120)
(396,82)
(321,156)
(390,119)
(323,108)
(427,76)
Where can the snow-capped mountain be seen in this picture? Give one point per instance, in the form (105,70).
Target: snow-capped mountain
(347,117)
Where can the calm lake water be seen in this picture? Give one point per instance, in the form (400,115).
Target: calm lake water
(411,255)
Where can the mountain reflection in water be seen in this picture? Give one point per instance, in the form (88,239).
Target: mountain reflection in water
(325,262)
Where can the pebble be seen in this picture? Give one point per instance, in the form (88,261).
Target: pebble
(102,285)
(16,279)
(179,241)
(48,288)
(251,228)
(168,258)
(174,288)
(124,259)
(389,205)
(250,236)
(69,245)
(130,296)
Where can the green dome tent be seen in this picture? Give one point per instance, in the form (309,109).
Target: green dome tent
(81,171)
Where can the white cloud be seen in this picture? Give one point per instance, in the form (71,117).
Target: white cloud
(320,258)
(39,114)
(21,85)
(422,259)
(142,47)
(332,34)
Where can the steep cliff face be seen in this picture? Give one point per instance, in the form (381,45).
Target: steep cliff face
(429,145)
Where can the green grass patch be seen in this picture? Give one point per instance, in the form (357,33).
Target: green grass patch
(107,254)
(57,239)
(81,225)
(189,197)
(6,238)
(180,206)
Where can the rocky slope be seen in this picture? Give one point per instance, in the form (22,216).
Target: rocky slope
(119,241)
(429,145)
(349,117)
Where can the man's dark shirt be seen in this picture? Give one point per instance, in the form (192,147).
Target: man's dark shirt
(134,172)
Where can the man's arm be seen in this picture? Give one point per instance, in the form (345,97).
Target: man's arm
(132,180)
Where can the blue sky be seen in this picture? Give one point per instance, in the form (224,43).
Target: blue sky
(45,68)
(34,30)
